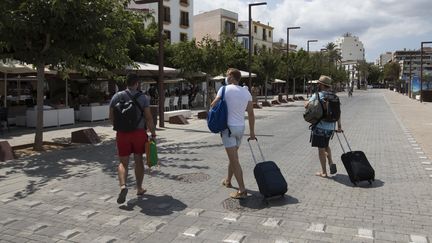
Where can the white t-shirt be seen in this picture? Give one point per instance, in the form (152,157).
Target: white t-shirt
(236,98)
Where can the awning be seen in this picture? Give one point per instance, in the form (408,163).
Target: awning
(148,70)
(279,81)
(244,74)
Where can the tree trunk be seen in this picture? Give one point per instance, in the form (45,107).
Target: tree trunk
(39,104)
(265,88)
(294,87)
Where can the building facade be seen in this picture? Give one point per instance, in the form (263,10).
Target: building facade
(352,52)
(410,62)
(178,21)
(214,23)
(384,59)
(262,35)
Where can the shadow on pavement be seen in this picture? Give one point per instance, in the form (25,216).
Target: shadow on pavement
(255,201)
(155,205)
(79,161)
(344,179)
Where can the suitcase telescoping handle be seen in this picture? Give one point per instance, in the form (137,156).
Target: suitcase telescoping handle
(259,148)
(346,140)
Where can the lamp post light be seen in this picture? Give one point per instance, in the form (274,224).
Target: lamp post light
(288,50)
(160,57)
(309,41)
(421,68)
(250,39)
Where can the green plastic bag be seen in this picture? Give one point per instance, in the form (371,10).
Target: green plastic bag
(151,154)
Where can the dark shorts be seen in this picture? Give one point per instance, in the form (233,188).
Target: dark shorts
(320,137)
(131,142)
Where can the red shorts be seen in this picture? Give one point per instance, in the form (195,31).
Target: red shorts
(131,142)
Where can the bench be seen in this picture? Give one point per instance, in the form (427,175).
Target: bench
(185,113)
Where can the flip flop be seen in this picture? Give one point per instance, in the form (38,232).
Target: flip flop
(140,194)
(323,175)
(238,195)
(333,169)
(122,196)
(226,184)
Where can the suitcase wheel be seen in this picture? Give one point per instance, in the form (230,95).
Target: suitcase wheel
(370,182)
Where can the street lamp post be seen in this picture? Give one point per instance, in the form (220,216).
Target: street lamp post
(309,41)
(421,68)
(161,90)
(288,50)
(410,76)
(250,39)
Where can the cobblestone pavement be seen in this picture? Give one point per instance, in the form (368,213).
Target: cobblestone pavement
(70,195)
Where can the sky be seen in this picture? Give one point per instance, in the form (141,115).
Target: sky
(382,25)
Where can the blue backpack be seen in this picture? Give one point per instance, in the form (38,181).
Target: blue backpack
(217,118)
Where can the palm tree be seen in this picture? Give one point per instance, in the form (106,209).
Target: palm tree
(333,53)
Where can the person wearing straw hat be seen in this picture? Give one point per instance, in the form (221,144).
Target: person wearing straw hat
(323,130)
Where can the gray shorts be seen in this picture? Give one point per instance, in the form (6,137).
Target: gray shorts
(232,137)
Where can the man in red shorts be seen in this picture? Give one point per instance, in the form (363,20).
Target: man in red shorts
(133,141)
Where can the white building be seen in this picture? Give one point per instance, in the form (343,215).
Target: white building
(350,48)
(177,18)
(352,51)
(384,59)
(214,23)
(262,35)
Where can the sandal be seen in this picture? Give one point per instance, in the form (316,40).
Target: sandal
(323,175)
(238,195)
(140,194)
(226,184)
(333,169)
(122,196)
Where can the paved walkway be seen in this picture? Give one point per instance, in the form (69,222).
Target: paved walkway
(69,195)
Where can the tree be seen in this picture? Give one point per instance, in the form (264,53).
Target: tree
(187,57)
(391,71)
(65,34)
(266,64)
(374,74)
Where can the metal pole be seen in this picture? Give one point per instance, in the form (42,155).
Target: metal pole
(161,65)
(251,40)
(160,57)
(250,47)
(421,72)
(288,50)
(410,77)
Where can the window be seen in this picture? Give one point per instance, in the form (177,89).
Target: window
(167,34)
(270,33)
(229,27)
(184,2)
(167,14)
(183,37)
(264,36)
(245,43)
(255,49)
(255,29)
(184,19)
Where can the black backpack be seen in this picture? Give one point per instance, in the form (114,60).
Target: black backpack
(126,113)
(332,110)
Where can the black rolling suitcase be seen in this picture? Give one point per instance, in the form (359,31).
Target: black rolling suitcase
(268,176)
(356,164)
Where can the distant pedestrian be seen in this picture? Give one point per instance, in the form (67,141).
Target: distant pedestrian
(131,140)
(323,130)
(238,100)
(350,91)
